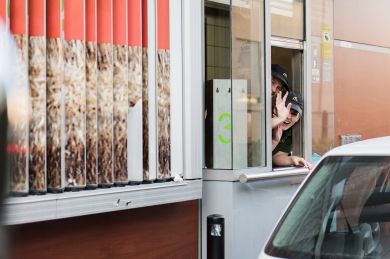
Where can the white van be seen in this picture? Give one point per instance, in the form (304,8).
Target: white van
(341,210)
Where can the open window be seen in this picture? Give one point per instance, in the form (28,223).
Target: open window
(292,59)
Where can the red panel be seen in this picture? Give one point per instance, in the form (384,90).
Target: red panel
(18,16)
(36,18)
(361,97)
(90,20)
(120,21)
(163,24)
(74,20)
(53,18)
(104,22)
(145,23)
(134,23)
(361,21)
(2,13)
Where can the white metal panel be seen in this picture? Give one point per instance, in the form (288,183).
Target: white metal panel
(218,199)
(71,204)
(250,210)
(222,121)
(26,212)
(152,73)
(193,88)
(134,127)
(240,123)
(267,78)
(134,146)
(307,95)
(359,46)
(63,130)
(229,123)
(176,77)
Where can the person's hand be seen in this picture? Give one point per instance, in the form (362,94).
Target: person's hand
(299,161)
(281,108)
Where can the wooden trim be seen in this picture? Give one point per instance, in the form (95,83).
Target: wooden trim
(164,231)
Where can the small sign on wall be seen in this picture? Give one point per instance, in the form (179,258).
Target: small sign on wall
(327,71)
(326,42)
(350,138)
(315,66)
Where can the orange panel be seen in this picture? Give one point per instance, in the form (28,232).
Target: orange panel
(145,23)
(90,20)
(36,18)
(362,21)
(18,16)
(120,21)
(74,20)
(104,21)
(361,93)
(290,25)
(134,22)
(163,24)
(2,11)
(53,18)
(321,14)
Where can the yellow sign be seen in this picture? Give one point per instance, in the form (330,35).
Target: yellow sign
(326,42)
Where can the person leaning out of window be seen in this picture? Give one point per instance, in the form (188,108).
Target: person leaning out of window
(279,84)
(282,141)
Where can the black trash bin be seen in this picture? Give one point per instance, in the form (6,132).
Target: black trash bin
(215,236)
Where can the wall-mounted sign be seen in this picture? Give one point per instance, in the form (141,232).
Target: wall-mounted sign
(345,44)
(315,64)
(326,42)
(327,71)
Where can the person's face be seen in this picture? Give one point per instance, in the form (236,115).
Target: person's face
(276,85)
(291,119)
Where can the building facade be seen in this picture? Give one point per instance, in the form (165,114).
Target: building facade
(147,116)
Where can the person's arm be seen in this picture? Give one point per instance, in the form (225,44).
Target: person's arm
(282,110)
(283,159)
(276,136)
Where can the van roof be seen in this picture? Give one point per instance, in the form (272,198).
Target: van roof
(370,147)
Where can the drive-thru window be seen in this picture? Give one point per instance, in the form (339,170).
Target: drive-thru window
(242,40)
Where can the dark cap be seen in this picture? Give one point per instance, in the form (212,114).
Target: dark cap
(281,73)
(296,101)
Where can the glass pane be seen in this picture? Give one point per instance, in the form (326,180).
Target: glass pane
(234,94)
(323,88)
(217,97)
(248,84)
(287,18)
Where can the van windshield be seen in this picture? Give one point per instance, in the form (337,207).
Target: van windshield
(341,211)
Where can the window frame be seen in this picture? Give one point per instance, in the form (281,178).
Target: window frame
(306,137)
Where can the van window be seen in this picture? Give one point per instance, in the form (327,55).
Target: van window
(341,211)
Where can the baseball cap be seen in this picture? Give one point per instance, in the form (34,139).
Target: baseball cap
(296,101)
(281,73)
